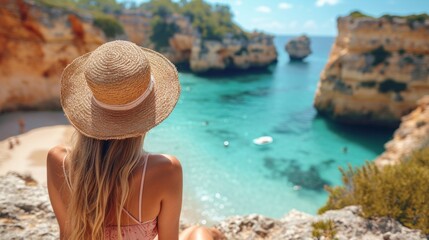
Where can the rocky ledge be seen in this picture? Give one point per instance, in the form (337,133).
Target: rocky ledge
(377,70)
(298,48)
(25,210)
(412,135)
(229,53)
(25,213)
(347,224)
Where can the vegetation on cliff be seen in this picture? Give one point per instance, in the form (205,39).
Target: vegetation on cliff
(398,191)
(421,18)
(105,6)
(110,26)
(101,10)
(213,22)
(357,14)
(324,229)
(162,31)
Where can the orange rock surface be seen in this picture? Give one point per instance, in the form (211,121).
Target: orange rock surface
(412,135)
(36,43)
(376,72)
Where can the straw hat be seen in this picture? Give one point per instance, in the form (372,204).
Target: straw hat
(118,91)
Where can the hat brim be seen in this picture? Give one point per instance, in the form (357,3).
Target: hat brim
(96,122)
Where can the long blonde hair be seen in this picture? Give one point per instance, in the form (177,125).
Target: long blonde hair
(99,176)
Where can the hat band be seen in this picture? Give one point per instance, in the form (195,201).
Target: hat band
(130,105)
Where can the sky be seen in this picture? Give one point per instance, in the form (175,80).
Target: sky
(312,17)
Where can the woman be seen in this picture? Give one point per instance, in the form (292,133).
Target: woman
(106,186)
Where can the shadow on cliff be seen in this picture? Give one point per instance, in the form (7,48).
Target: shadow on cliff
(229,73)
(366,136)
(297,64)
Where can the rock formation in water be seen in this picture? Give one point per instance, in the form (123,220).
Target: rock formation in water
(412,135)
(37,41)
(26,213)
(230,53)
(298,48)
(377,70)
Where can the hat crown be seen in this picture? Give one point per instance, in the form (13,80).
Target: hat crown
(117,72)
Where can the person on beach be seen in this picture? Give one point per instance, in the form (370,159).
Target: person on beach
(106,186)
(21,124)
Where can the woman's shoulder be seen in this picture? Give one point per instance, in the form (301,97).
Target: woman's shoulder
(56,155)
(164,163)
(165,167)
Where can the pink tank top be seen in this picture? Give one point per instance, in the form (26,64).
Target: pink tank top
(141,230)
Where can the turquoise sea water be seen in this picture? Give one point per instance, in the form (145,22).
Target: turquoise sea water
(245,178)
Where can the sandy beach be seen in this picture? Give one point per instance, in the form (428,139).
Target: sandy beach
(28,154)
(29,157)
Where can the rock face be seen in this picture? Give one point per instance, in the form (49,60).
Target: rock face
(25,210)
(298,48)
(412,135)
(36,43)
(297,225)
(258,51)
(26,213)
(377,70)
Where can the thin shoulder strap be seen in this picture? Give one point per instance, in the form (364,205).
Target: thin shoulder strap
(65,173)
(141,186)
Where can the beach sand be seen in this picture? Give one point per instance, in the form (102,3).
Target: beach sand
(29,156)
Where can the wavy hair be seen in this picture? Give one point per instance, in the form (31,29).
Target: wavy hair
(99,177)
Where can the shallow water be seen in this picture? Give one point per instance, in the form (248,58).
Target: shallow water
(245,178)
(271,179)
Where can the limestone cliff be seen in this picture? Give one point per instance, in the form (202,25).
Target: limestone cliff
(258,51)
(36,43)
(412,135)
(377,70)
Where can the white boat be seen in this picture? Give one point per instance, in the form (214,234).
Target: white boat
(263,140)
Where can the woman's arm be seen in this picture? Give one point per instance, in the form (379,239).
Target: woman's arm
(171,203)
(55,180)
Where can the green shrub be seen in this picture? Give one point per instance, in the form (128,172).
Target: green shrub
(357,14)
(110,26)
(99,6)
(65,4)
(162,32)
(399,191)
(212,21)
(417,17)
(420,18)
(410,18)
(325,229)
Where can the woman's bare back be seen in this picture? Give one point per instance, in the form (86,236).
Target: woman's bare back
(161,197)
